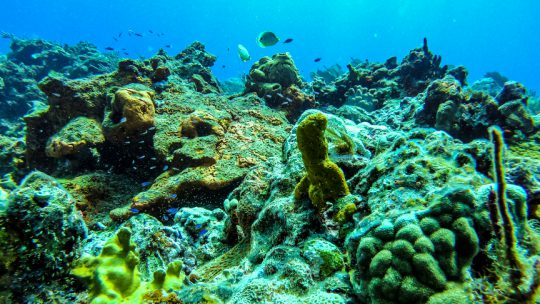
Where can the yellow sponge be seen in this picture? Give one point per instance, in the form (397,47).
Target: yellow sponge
(324,179)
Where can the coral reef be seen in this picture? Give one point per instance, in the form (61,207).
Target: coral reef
(31,60)
(159,184)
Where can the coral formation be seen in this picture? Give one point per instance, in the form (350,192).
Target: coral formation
(411,257)
(30,60)
(113,276)
(132,112)
(42,231)
(278,81)
(79,134)
(159,184)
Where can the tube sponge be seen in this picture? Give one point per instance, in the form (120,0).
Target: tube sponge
(324,179)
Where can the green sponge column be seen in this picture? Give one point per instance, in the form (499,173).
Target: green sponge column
(324,180)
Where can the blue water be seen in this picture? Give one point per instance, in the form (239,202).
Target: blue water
(487,35)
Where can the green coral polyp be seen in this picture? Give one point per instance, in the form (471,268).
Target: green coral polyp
(324,179)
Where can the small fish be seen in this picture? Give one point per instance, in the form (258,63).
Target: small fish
(266,39)
(228,49)
(127,142)
(168,46)
(134,210)
(56,95)
(126,53)
(152,168)
(123,120)
(243,53)
(172,210)
(268,96)
(138,34)
(165,218)
(279,95)
(288,40)
(145,184)
(141,142)
(165,168)
(141,157)
(115,39)
(120,35)
(151,128)
(174,196)
(150,31)
(198,226)
(223,66)
(203,232)
(317,59)
(109,48)
(153,158)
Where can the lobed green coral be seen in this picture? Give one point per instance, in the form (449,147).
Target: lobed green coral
(413,257)
(113,276)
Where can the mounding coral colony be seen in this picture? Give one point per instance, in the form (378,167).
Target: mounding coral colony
(149,181)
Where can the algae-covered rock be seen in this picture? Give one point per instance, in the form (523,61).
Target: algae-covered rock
(12,154)
(279,69)
(97,193)
(79,134)
(278,81)
(45,232)
(123,100)
(132,112)
(217,143)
